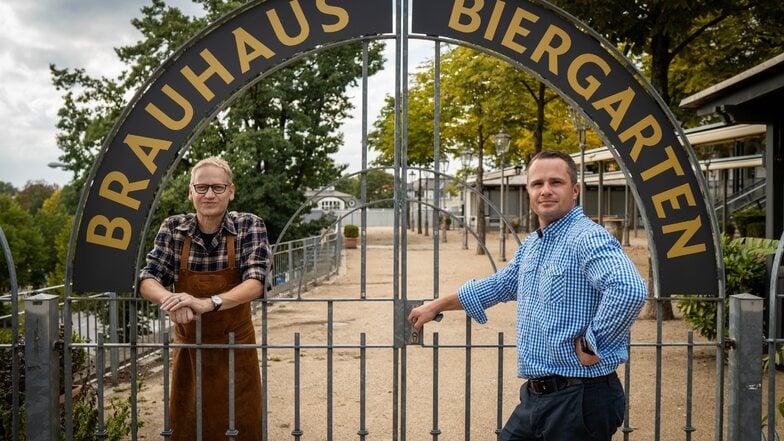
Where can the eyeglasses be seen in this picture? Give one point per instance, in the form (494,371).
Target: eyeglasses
(216,188)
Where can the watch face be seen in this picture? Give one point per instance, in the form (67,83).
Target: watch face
(216,302)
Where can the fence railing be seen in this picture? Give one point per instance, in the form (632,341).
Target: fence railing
(297,265)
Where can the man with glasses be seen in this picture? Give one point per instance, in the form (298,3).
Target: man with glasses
(217,262)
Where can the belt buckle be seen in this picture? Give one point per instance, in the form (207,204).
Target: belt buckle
(543,386)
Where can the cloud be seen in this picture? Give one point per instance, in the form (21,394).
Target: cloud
(83,34)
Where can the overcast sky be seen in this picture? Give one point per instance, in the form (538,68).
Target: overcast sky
(83,34)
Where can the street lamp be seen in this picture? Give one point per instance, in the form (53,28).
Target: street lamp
(419,199)
(442,194)
(581,126)
(502,140)
(465,160)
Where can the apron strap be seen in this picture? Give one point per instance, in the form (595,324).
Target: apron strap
(186,252)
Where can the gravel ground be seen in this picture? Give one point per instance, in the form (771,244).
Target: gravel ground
(353,316)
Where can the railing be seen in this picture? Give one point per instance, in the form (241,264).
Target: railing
(297,265)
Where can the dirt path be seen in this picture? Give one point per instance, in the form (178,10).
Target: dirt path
(352,317)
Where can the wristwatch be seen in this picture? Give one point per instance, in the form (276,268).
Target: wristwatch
(217,302)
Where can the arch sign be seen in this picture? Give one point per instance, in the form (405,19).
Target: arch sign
(259,36)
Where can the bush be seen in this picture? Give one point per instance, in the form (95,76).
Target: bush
(750,222)
(744,271)
(85,402)
(351,230)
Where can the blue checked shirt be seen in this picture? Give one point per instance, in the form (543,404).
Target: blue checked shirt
(571,279)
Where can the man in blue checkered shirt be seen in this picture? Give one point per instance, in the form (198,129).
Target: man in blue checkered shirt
(577,296)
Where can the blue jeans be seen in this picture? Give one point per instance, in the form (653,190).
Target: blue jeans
(580,412)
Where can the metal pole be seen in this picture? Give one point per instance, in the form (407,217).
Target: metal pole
(42,368)
(744,407)
(501,229)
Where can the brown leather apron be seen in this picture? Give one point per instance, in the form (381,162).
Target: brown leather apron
(215,329)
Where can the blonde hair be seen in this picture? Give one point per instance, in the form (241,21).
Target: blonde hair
(216,162)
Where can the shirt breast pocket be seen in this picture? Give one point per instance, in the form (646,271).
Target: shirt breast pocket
(553,286)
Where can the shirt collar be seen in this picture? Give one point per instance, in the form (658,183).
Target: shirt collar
(189,225)
(561,224)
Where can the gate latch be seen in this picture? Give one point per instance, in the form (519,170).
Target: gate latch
(404,332)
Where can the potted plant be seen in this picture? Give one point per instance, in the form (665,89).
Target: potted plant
(350,233)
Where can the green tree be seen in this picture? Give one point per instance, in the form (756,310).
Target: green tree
(380,185)
(26,243)
(7,188)
(708,41)
(54,222)
(31,198)
(278,136)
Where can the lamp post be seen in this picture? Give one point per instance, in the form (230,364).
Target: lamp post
(419,200)
(502,140)
(580,126)
(442,193)
(465,160)
(518,171)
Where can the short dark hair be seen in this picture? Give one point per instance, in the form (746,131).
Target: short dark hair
(556,154)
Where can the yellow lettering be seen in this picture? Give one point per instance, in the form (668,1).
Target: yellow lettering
(277,26)
(215,67)
(672,195)
(121,197)
(138,143)
(591,83)
(166,120)
(545,45)
(623,100)
(472,14)
(671,163)
(107,239)
(244,40)
(340,13)
(516,28)
(689,228)
(495,18)
(636,131)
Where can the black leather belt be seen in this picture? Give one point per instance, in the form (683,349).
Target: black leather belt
(554,383)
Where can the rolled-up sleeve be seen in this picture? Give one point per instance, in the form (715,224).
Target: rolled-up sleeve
(256,262)
(477,295)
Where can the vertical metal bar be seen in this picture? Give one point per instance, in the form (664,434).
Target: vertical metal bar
(232,433)
(133,340)
(199,398)
(772,334)
(114,324)
(500,397)
(657,412)
(363,181)
(400,159)
(362,432)
(435,431)
(627,381)
(264,377)
(297,432)
(67,365)
(437,162)
(719,414)
(100,360)
(468,381)
(688,428)
(42,367)
(744,407)
(167,432)
(330,353)
(15,362)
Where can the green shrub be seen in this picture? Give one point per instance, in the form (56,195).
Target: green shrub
(744,271)
(749,220)
(351,230)
(85,402)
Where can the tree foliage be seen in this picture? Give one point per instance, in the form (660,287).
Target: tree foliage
(379,186)
(278,136)
(686,46)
